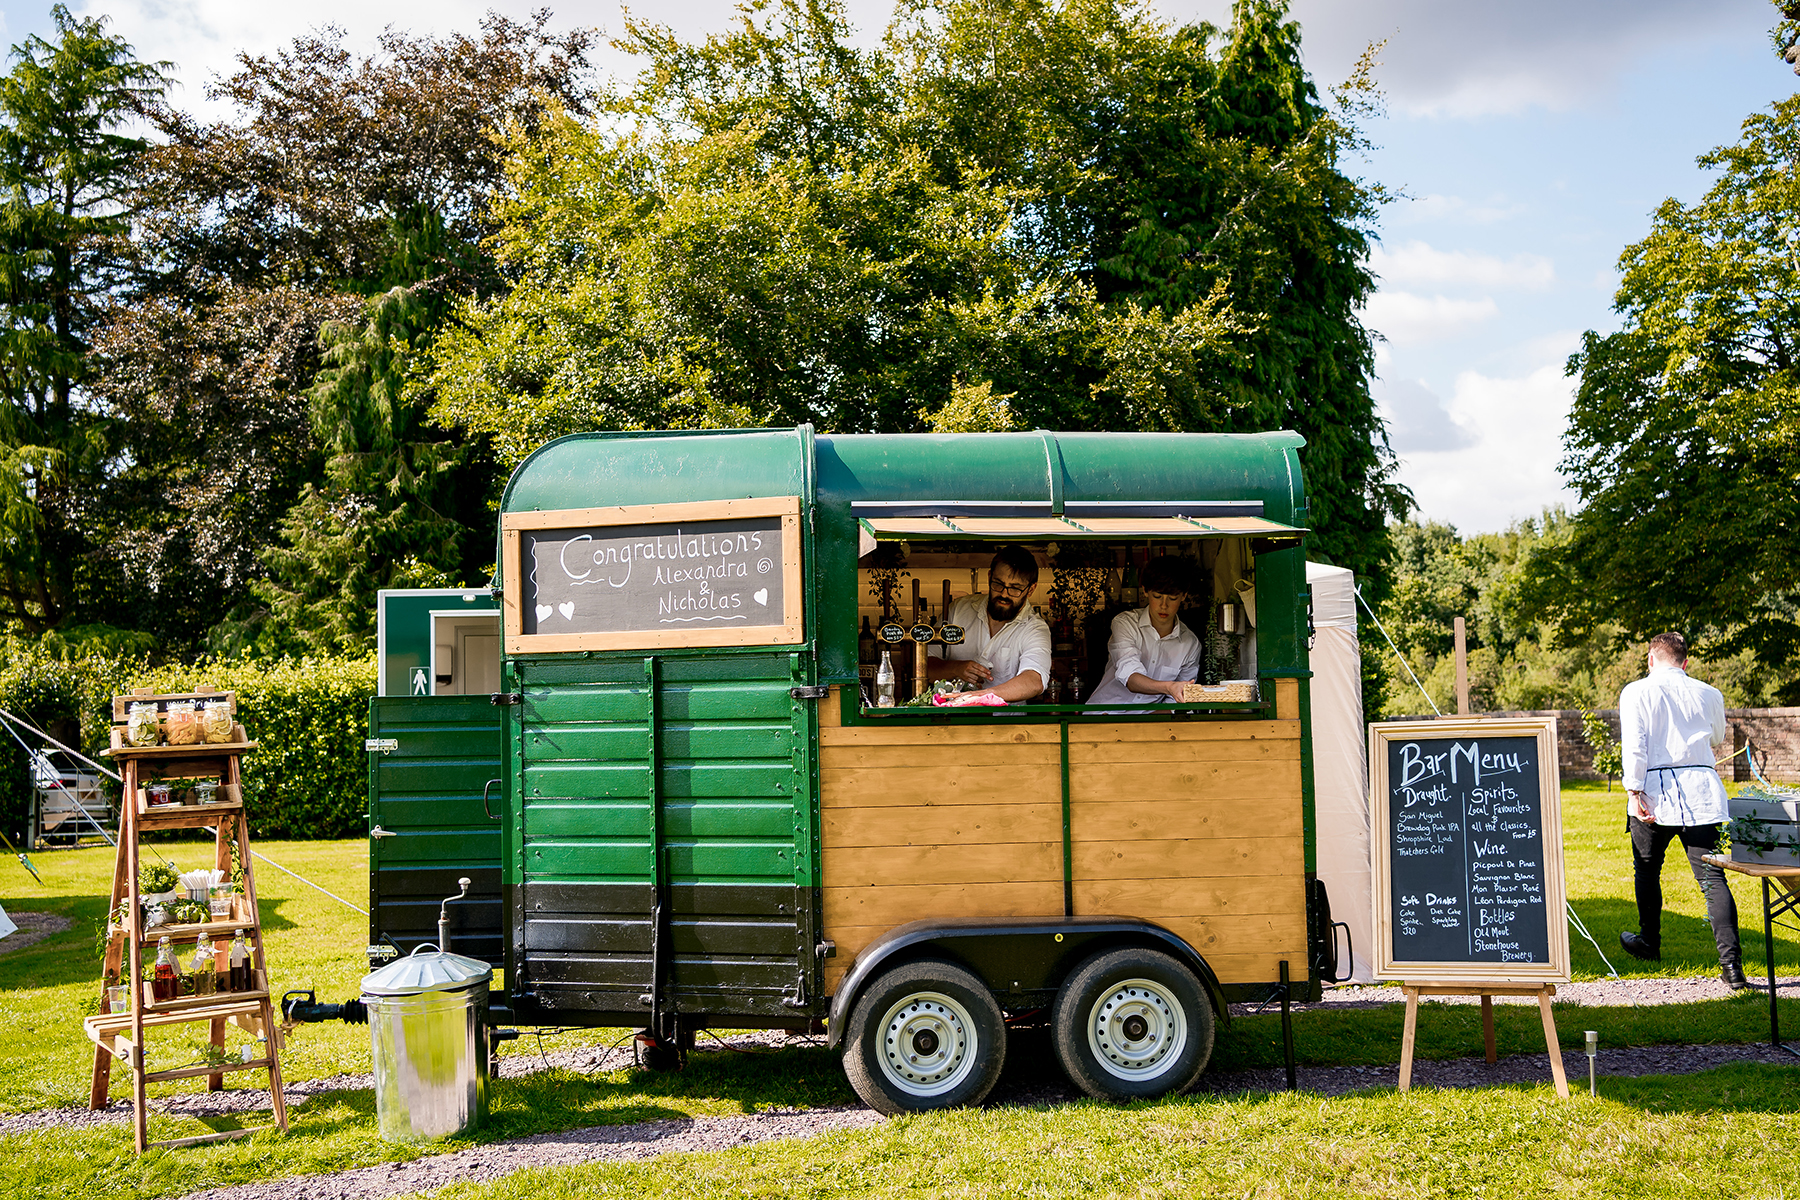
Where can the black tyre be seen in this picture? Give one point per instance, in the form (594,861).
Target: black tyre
(1131,1024)
(924,1035)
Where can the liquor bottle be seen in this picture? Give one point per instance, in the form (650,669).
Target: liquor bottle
(202,971)
(1077,688)
(240,965)
(1128,591)
(884,681)
(865,655)
(165,984)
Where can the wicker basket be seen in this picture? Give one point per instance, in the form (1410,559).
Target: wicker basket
(1230,691)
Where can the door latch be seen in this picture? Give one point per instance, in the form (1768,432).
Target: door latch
(812,691)
(379,832)
(506,699)
(380,745)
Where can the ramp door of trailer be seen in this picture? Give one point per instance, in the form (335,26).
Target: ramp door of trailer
(666,834)
(429,823)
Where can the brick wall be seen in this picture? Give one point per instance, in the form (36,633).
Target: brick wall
(1772,733)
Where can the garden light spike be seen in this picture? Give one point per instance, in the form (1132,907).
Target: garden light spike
(23,861)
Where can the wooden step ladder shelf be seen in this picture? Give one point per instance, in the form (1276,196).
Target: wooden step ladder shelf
(122,1035)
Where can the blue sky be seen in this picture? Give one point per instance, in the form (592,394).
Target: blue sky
(1533,139)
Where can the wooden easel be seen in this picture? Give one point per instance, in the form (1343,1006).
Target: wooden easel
(1487,992)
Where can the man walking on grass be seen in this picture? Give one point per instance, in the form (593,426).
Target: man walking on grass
(1668,725)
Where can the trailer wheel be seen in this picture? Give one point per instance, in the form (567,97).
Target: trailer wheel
(924,1035)
(1131,1024)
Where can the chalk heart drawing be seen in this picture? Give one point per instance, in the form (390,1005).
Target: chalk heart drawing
(567,609)
(543,612)
(761,596)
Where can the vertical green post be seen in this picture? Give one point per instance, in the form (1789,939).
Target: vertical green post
(1068,837)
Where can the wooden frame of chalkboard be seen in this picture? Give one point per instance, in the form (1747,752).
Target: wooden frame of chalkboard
(1466,843)
(696,519)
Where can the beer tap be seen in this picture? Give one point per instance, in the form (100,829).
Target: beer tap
(921,635)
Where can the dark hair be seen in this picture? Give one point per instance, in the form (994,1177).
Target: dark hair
(1018,560)
(1671,646)
(1170,575)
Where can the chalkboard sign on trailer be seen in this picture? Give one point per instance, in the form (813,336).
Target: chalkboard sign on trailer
(1468,851)
(711,573)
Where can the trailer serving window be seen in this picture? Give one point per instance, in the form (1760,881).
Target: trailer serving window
(915,566)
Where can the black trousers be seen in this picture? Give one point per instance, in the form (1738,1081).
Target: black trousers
(1648,845)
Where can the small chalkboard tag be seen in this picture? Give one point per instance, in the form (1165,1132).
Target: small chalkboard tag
(1467,848)
(708,573)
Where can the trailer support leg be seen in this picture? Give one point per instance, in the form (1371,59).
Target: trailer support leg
(1287,1030)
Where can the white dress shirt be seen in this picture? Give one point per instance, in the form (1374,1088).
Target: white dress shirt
(1135,648)
(1023,643)
(1669,720)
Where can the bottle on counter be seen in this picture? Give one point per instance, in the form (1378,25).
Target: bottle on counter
(1128,590)
(201,970)
(1077,688)
(240,965)
(865,653)
(165,980)
(884,681)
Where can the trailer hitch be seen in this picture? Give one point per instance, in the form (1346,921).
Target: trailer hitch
(303,1011)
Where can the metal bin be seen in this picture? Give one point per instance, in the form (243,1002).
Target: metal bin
(428,1031)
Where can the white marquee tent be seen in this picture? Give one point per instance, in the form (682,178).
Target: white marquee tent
(1340,762)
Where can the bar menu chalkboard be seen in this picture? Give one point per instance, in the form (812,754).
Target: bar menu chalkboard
(1468,851)
(693,574)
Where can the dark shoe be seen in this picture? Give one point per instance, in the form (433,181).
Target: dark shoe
(1637,947)
(1733,975)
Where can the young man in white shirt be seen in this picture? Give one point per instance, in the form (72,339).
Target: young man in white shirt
(1150,654)
(1669,724)
(1000,629)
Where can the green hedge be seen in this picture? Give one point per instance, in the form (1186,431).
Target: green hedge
(308,777)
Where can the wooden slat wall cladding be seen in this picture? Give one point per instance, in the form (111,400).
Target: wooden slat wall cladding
(1194,825)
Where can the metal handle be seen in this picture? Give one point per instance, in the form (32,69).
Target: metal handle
(485,793)
(379,832)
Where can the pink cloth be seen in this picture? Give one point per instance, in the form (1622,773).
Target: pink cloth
(964,699)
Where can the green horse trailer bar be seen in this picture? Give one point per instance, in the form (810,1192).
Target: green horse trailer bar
(696,813)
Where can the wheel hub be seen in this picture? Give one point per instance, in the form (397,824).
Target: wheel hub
(1136,1029)
(927,1044)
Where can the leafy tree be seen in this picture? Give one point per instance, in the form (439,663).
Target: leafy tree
(64,209)
(292,259)
(380,518)
(778,227)
(1684,431)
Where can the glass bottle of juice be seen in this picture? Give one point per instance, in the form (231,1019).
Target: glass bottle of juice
(884,682)
(204,973)
(165,982)
(240,964)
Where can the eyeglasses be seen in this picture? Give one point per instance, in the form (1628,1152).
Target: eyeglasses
(1018,591)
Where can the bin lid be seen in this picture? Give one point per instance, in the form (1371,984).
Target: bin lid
(426,969)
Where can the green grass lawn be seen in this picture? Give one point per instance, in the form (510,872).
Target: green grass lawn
(1724,1132)
(315,942)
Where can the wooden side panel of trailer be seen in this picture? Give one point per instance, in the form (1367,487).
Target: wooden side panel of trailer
(1196,825)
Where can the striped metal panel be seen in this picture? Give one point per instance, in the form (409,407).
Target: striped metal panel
(428,793)
(720,794)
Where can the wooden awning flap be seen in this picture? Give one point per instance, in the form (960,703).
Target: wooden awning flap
(1037,529)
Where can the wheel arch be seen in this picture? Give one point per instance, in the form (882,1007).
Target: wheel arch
(1016,956)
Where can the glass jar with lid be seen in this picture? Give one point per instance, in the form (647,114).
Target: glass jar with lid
(215,721)
(181,724)
(142,725)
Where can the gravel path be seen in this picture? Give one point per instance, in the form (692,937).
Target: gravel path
(32,927)
(1034,1082)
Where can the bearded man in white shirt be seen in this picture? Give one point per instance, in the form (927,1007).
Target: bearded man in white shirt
(1006,645)
(1669,723)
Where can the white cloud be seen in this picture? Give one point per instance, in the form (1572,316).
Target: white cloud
(1436,207)
(1417,418)
(1507,470)
(1463,59)
(1418,263)
(1406,319)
